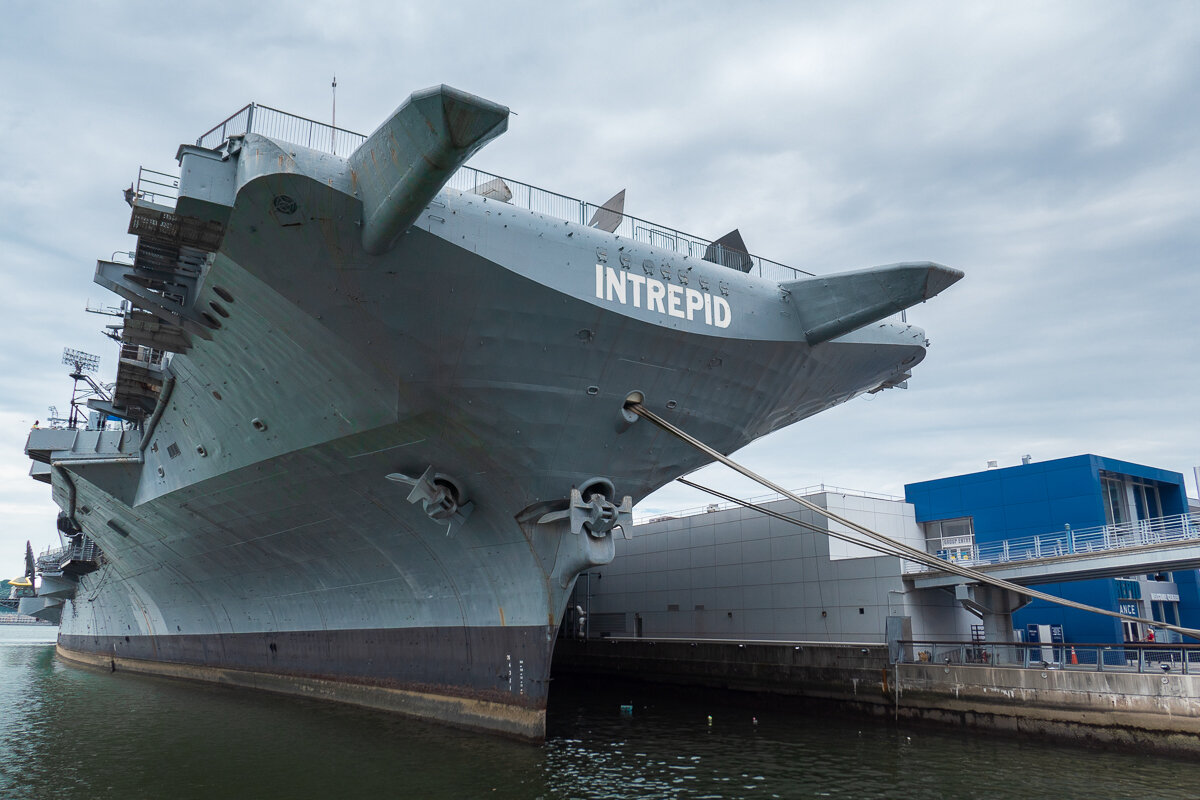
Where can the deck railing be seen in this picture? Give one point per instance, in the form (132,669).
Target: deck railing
(160,188)
(1068,541)
(267,121)
(82,548)
(276,124)
(559,206)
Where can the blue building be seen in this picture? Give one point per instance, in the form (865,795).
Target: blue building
(1056,501)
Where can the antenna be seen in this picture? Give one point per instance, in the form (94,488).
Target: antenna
(333,123)
(81,364)
(80,361)
(54,420)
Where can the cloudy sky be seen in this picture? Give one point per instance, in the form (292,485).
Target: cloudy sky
(1049,150)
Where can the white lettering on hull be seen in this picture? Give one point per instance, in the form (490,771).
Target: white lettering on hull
(619,286)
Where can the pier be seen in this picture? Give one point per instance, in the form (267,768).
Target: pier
(1129,696)
(774,599)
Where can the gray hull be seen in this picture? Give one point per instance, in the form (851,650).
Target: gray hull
(253,536)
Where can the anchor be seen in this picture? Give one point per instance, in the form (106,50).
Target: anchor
(440,497)
(592,509)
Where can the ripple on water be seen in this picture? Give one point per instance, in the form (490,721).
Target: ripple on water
(70,733)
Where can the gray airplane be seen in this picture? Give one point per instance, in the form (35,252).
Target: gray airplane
(394,427)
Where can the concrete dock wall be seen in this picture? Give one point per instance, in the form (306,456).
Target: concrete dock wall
(1151,712)
(852,673)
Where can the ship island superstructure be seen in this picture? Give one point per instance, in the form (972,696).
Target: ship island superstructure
(392,426)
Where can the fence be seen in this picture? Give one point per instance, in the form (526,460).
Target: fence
(267,121)
(276,124)
(710,508)
(1126,657)
(160,188)
(559,206)
(81,548)
(1140,533)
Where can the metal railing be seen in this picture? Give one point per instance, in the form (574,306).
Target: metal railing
(13,618)
(160,188)
(1126,657)
(255,118)
(82,548)
(663,516)
(50,558)
(1102,538)
(145,356)
(276,124)
(559,206)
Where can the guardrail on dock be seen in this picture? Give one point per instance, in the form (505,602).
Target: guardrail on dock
(1085,657)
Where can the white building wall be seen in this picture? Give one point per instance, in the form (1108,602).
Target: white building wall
(740,574)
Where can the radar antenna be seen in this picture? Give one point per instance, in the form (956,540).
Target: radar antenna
(81,364)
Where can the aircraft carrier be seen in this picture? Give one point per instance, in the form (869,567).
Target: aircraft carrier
(375,409)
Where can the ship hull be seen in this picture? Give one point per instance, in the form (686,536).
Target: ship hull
(417,672)
(254,537)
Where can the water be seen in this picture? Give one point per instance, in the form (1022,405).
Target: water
(67,732)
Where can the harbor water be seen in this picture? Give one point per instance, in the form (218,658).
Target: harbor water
(69,732)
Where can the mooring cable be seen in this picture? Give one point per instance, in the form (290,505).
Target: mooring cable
(909,552)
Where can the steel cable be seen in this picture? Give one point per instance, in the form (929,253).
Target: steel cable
(888,546)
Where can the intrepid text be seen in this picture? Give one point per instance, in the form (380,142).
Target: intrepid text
(643,291)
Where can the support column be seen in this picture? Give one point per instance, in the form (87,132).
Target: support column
(995,606)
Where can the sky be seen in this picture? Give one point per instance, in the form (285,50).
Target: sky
(1050,150)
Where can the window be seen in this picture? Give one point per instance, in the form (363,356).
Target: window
(1116,506)
(951,539)
(1129,499)
(1145,496)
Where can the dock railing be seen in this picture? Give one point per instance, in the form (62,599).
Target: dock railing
(1102,538)
(1086,657)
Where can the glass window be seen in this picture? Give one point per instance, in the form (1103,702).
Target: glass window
(1148,501)
(1120,492)
(950,538)
(1116,508)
